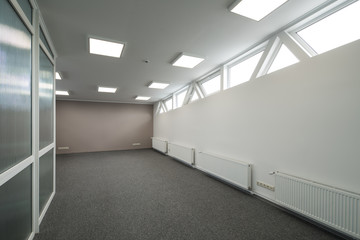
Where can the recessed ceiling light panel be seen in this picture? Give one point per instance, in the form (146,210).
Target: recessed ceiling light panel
(187,61)
(62,93)
(58,76)
(158,85)
(105,48)
(107,89)
(255,9)
(142,98)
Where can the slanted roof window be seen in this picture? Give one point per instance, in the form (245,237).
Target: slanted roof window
(180,97)
(241,72)
(194,97)
(169,104)
(211,85)
(338,29)
(283,59)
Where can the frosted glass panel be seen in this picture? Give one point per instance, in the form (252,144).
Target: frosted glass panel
(46,98)
(27,8)
(15,88)
(15,207)
(45,42)
(46,178)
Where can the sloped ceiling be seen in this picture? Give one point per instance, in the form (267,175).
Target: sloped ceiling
(154,30)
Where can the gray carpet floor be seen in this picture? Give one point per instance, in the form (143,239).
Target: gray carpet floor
(142,194)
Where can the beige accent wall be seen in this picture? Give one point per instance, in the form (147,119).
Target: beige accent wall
(94,127)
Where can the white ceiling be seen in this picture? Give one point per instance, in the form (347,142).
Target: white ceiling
(154,30)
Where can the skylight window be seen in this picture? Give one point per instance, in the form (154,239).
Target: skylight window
(283,59)
(158,85)
(212,85)
(169,104)
(180,97)
(142,98)
(105,48)
(255,9)
(62,93)
(242,71)
(107,89)
(58,76)
(336,30)
(187,61)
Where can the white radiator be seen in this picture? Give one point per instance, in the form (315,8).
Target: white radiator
(182,153)
(159,144)
(233,171)
(331,206)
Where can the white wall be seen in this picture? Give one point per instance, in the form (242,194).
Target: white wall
(303,120)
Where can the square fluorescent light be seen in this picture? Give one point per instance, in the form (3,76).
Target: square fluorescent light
(142,98)
(105,48)
(158,85)
(255,9)
(187,61)
(62,93)
(58,76)
(107,89)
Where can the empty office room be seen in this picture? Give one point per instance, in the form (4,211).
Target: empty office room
(168,119)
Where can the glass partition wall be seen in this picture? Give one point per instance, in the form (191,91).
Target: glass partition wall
(27,116)
(45,121)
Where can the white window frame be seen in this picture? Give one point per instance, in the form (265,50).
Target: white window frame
(209,77)
(172,104)
(194,89)
(242,58)
(158,107)
(276,54)
(162,107)
(287,36)
(313,17)
(175,103)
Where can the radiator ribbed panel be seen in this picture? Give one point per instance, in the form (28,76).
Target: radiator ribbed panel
(159,144)
(182,153)
(334,207)
(233,171)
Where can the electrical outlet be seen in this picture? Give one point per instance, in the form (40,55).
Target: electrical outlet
(136,144)
(264,185)
(63,148)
